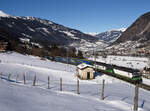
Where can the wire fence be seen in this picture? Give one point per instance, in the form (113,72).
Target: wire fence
(58,84)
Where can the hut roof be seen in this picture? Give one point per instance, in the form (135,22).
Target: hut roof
(83,65)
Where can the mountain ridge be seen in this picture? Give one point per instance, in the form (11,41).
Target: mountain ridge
(41,30)
(136,39)
(140,29)
(111,35)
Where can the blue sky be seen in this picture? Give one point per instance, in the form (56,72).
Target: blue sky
(84,15)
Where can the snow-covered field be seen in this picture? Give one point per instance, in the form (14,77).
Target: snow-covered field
(119,96)
(126,61)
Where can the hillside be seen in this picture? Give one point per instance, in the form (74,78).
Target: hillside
(119,96)
(110,36)
(41,32)
(137,36)
(139,31)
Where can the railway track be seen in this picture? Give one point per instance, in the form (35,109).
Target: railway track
(141,85)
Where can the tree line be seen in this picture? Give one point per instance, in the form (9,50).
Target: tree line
(52,50)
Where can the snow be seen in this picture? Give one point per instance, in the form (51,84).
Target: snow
(146,81)
(36,44)
(119,96)
(24,40)
(46,22)
(126,61)
(85,46)
(128,46)
(26,35)
(96,33)
(68,33)
(83,65)
(121,29)
(45,30)
(92,33)
(2,14)
(31,29)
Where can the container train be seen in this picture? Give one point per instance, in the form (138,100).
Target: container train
(129,73)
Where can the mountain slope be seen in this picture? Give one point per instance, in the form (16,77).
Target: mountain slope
(138,34)
(40,31)
(2,14)
(110,36)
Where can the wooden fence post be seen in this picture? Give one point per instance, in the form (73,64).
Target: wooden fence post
(24,78)
(60,84)
(136,98)
(1,75)
(48,82)
(9,77)
(34,80)
(102,94)
(78,86)
(17,78)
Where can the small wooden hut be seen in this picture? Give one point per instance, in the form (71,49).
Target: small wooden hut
(85,71)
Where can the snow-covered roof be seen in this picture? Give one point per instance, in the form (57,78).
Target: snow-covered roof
(83,65)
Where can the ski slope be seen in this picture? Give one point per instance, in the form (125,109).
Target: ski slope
(119,96)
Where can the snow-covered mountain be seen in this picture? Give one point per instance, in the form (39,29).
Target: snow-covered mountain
(2,14)
(110,36)
(40,31)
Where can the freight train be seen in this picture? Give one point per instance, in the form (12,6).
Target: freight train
(132,74)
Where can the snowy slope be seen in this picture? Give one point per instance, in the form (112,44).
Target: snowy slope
(19,97)
(92,33)
(41,32)
(2,14)
(111,35)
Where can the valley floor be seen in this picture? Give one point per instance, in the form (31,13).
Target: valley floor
(126,61)
(119,96)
